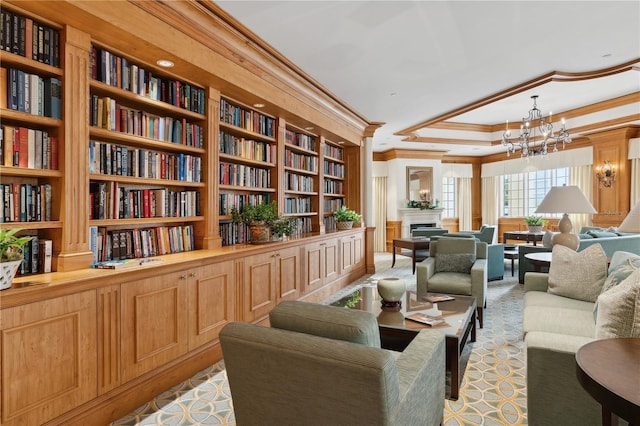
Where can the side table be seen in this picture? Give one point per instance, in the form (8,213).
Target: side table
(539,260)
(609,371)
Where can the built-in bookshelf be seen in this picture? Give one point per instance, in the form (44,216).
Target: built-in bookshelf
(247,165)
(30,105)
(301,178)
(334,182)
(145,159)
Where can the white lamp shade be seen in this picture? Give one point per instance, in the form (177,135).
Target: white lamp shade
(631,223)
(565,199)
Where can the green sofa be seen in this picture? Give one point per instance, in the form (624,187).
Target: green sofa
(625,242)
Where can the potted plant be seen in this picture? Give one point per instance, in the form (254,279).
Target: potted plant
(345,217)
(11,247)
(535,223)
(264,222)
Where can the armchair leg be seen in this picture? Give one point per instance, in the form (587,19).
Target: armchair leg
(480,316)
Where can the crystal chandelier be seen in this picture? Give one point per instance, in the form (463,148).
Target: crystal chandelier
(536,134)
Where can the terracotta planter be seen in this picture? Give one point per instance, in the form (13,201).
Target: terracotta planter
(260,233)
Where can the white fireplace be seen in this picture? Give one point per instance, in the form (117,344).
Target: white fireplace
(414,216)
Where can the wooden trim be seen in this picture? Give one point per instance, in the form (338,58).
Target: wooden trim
(425,139)
(395,153)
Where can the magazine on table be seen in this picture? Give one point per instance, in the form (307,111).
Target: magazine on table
(435,298)
(425,319)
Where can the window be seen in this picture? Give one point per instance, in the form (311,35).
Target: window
(523,192)
(449,187)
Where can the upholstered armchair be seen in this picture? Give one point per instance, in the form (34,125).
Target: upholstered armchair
(322,365)
(487,234)
(455,266)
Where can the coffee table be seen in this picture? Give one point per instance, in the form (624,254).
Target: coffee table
(527,236)
(413,244)
(539,260)
(396,332)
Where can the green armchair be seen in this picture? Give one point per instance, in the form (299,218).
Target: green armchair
(319,365)
(455,266)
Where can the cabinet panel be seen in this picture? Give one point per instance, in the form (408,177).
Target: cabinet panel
(331,264)
(154,323)
(52,343)
(108,338)
(288,263)
(314,266)
(346,246)
(259,286)
(211,302)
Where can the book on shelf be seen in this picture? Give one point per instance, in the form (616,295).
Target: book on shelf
(435,298)
(425,319)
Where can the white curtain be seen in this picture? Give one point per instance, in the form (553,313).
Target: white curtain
(581,176)
(464,204)
(380,213)
(490,200)
(635,181)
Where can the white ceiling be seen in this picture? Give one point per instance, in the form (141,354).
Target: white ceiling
(405,62)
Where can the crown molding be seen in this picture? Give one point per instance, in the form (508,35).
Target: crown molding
(394,154)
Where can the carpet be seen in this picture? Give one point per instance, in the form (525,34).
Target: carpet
(493,390)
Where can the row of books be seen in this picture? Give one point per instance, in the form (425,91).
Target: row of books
(294,182)
(119,160)
(110,200)
(242,175)
(228,201)
(23,36)
(37,256)
(334,169)
(329,223)
(28,148)
(300,139)
(117,71)
(247,148)
(247,119)
(334,152)
(138,243)
(333,204)
(333,187)
(234,233)
(31,93)
(297,205)
(107,113)
(300,161)
(302,226)
(24,202)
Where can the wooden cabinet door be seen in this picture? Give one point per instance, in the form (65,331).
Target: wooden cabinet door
(346,255)
(314,266)
(288,269)
(259,286)
(48,358)
(212,301)
(331,260)
(358,250)
(154,322)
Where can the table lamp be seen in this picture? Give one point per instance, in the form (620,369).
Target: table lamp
(631,223)
(565,199)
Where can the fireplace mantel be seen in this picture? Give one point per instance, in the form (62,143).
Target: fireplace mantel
(412,216)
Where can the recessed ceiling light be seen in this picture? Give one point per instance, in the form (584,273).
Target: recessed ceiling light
(606,55)
(258,105)
(393,94)
(341,143)
(309,128)
(164,63)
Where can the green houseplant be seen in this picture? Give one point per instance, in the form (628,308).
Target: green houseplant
(535,223)
(264,222)
(11,246)
(345,218)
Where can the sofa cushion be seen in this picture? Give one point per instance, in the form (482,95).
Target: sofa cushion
(575,322)
(584,236)
(577,275)
(450,282)
(540,298)
(621,266)
(350,325)
(619,310)
(455,262)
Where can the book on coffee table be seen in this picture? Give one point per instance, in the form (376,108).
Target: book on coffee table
(435,298)
(425,319)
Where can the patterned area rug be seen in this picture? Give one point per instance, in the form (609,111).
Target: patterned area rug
(493,390)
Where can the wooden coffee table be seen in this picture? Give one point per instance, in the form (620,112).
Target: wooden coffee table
(413,244)
(396,332)
(609,370)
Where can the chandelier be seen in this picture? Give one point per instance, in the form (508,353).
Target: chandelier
(536,135)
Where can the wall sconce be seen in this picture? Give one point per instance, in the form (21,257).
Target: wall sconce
(606,174)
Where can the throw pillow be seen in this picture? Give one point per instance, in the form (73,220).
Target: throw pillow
(546,239)
(621,266)
(602,234)
(577,275)
(619,311)
(584,236)
(455,262)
